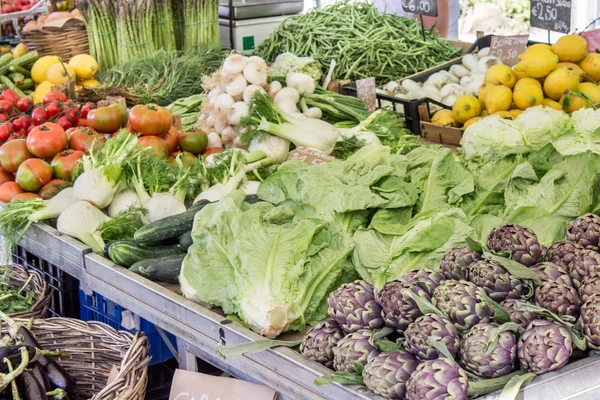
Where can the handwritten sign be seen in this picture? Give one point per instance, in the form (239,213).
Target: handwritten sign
(422,7)
(366,90)
(508,48)
(189,385)
(554,15)
(593,39)
(310,156)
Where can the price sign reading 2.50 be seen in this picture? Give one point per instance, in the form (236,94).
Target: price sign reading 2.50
(554,15)
(422,7)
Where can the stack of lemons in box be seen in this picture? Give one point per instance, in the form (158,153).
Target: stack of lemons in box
(562,76)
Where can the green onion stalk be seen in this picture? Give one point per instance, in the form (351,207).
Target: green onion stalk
(134,29)
(163,31)
(100,21)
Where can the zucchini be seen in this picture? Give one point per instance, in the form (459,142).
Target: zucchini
(25,59)
(27,84)
(21,70)
(128,252)
(5,59)
(170,228)
(185,241)
(17,78)
(164,269)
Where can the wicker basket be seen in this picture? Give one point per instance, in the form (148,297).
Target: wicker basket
(65,42)
(96,348)
(42,292)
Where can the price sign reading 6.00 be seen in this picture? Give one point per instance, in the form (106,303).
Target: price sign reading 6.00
(554,15)
(422,7)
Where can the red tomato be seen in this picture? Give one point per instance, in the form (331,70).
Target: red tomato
(25,121)
(187,158)
(64,122)
(25,104)
(13,153)
(52,188)
(150,119)
(52,109)
(82,139)
(5,176)
(171,139)
(9,190)
(65,162)
(5,107)
(17,124)
(158,145)
(3,118)
(213,150)
(39,116)
(85,109)
(6,128)
(107,119)
(32,174)
(50,97)
(46,140)
(194,142)
(10,96)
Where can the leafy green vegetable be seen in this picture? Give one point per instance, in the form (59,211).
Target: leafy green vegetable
(14,299)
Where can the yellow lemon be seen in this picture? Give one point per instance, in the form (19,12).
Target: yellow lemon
(551,104)
(528,80)
(571,101)
(572,65)
(505,115)
(485,113)
(516,113)
(528,95)
(591,65)
(538,62)
(41,66)
(90,83)
(20,50)
(559,81)
(60,73)
(499,98)
(471,122)
(85,66)
(591,90)
(501,75)
(465,108)
(540,46)
(482,93)
(444,118)
(570,48)
(41,90)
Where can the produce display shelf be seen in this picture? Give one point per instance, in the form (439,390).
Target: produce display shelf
(199,331)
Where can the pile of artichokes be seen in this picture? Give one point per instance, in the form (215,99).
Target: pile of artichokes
(450,346)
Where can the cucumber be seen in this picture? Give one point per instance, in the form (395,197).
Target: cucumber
(164,269)
(170,228)
(185,241)
(128,252)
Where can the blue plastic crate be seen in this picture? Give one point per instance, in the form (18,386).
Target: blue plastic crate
(96,307)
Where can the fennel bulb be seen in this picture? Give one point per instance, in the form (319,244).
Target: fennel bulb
(55,206)
(162,205)
(122,201)
(82,220)
(95,187)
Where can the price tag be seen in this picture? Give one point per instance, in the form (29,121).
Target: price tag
(422,7)
(508,48)
(366,90)
(593,39)
(310,156)
(554,15)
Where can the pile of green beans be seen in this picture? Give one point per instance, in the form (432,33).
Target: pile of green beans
(363,42)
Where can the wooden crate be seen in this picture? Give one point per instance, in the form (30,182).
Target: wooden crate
(436,134)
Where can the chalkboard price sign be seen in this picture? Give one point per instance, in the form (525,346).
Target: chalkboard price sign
(422,7)
(554,15)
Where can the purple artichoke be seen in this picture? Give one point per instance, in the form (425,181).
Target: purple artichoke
(585,231)
(388,373)
(354,348)
(430,279)
(496,281)
(319,341)
(562,253)
(590,321)
(426,329)
(456,261)
(562,300)
(585,263)
(475,357)
(399,310)
(544,346)
(463,303)
(519,241)
(548,271)
(438,379)
(353,307)
(522,318)
(589,286)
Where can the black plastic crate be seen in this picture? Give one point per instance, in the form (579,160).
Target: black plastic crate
(65,295)
(160,377)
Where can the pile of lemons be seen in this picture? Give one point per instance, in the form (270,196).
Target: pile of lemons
(562,76)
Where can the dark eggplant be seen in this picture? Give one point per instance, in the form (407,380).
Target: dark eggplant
(13,353)
(40,374)
(29,387)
